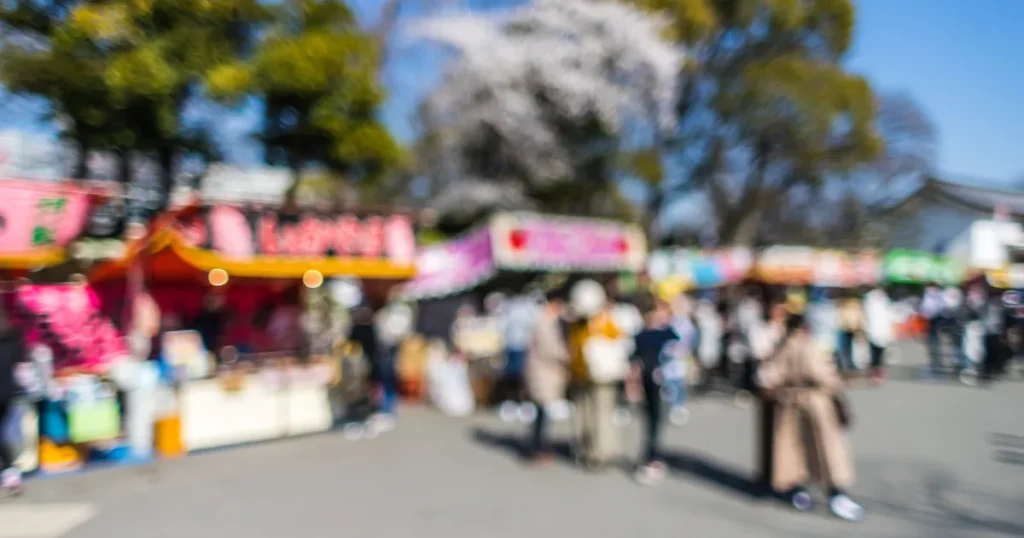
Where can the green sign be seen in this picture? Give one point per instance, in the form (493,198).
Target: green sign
(917,267)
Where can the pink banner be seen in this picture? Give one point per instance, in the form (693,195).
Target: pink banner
(523,241)
(37,214)
(452,266)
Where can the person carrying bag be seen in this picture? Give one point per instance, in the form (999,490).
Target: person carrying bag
(599,362)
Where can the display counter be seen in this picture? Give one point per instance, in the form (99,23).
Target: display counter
(253,407)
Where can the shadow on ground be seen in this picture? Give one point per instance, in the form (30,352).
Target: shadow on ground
(680,462)
(715,473)
(928,495)
(1008,448)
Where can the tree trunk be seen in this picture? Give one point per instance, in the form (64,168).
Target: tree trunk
(81,170)
(165,158)
(290,195)
(124,168)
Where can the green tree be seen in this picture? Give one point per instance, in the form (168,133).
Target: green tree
(40,59)
(767,106)
(120,74)
(316,73)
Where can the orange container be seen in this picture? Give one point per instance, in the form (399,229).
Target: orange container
(54,458)
(167,437)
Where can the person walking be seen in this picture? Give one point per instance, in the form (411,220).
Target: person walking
(393,324)
(517,316)
(878,327)
(12,352)
(546,370)
(656,349)
(851,324)
(809,441)
(996,346)
(598,363)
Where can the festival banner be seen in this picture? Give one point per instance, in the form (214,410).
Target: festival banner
(523,241)
(452,266)
(256,242)
(37,217)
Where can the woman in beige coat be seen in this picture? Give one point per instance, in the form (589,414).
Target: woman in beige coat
(547,370)
(809,441)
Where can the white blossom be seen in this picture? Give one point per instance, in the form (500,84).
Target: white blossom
(526,74)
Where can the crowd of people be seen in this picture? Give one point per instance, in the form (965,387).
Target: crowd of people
(592,353)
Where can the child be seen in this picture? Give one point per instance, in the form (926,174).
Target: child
(651,346)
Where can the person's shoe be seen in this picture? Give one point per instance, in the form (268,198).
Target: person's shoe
(650,474)
(844,508)
(527,413)
(354,431)
(801,500)
(679,416)
(968,376)
(385,422)
(508,411)
(10,482)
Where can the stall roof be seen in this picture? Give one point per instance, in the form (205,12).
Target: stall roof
(186,244)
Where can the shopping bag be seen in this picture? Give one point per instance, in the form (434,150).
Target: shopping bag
(607,359)
(55,422)
(94,420)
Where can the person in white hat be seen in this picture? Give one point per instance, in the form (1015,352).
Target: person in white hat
(599,361)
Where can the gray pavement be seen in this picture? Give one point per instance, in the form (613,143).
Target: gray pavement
(933,460)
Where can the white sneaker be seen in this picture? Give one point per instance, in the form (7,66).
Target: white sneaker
(649,475)
(843,507)
(679,416)
(508,411)
(10,478)
(354,431)
(527,413)
(559,410)
(385,422)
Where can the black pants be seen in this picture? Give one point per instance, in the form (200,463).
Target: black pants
(538,442)
(653,415)
(996,353)
(877,356)
(6,457)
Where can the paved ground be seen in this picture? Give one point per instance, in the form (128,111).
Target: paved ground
(934,460)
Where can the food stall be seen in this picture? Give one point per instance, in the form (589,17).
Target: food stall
(677,270)
(72,346)
(253,257)
(907,272)
(513,252)
(805,266)
(513,249)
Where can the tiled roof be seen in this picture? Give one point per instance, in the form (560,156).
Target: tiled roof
(985,199)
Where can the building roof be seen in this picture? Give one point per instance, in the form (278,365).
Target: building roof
(984,200)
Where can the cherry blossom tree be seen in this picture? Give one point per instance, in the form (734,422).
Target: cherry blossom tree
(542,103)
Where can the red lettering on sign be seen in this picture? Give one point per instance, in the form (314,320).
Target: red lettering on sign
(346,235)
(289,239)
(313,240)
(372,240)
(268,235)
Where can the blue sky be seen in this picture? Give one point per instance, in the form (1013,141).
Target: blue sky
(962,60)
